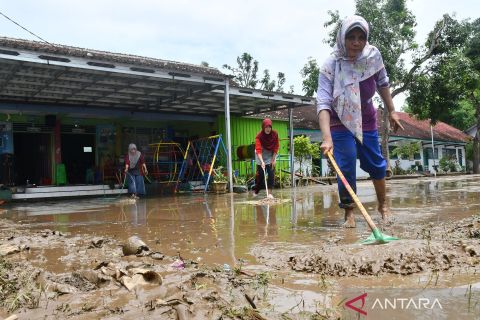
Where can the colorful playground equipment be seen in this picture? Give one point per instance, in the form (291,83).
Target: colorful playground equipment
(164,161)
(200,158)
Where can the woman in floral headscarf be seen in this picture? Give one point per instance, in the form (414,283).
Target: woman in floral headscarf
(135,168)
(348,120)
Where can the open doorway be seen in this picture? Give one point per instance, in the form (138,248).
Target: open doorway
(78,155)
(32,158)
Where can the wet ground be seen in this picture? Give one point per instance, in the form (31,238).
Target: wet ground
(292,258)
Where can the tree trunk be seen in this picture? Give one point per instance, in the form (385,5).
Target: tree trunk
(476,155)
(476,145)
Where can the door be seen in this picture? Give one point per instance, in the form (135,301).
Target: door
(32,158)
(78,155)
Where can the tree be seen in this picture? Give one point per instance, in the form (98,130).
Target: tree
(291,89)
(246,75)
(304,149)
(473,53)
(451,87)
(407,150)
(310,72)
(246,72)
(438,93)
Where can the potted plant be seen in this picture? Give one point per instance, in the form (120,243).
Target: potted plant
(220,180)
(240,184)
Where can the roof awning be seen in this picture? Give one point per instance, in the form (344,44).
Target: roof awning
(63,81)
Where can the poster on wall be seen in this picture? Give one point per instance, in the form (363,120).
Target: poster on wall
(6,138)
(105,136)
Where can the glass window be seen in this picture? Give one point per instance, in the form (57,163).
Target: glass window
(450,153)
(429,153)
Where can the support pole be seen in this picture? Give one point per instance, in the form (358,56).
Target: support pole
(433,152)
(292,148)
(228,136)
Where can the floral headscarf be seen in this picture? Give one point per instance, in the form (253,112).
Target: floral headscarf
(133,155)
(347,74)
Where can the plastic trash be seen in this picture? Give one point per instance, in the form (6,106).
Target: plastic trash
(178,264)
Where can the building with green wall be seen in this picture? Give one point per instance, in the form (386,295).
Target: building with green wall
(244,130)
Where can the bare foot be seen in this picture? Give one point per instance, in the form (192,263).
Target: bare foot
(349,224)
(349,219)
(384,212)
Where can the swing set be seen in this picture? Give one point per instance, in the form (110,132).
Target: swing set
(200,158)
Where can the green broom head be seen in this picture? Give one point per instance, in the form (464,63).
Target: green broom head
(378,238)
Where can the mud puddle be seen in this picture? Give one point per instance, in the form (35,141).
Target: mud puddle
(290,259)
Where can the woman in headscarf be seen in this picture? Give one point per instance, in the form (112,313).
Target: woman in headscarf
(348,120)
(135,168)
(266,149)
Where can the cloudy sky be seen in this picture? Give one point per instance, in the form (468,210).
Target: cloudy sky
(280,34)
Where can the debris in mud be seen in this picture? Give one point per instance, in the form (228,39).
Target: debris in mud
(268,201)
(6,249)
(178,264)
(405,257)
(157,256)
(18,286)
(432,253)
(140,277)
(47,233)
(475,234)
(97,242)
(71,283)
(473,250)
(133,246)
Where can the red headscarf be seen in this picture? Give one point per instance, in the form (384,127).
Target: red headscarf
(268,141)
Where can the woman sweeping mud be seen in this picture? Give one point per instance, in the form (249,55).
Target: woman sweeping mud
(266,150)
(135,168)
(348,120)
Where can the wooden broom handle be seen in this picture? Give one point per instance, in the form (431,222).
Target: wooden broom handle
(364,212)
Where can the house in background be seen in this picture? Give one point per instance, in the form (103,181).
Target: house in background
(447,140)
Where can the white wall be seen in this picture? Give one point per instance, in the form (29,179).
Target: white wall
(306,166)
(360,172)
(407,164)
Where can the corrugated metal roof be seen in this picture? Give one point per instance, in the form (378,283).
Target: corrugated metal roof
(38,73)
(58,49)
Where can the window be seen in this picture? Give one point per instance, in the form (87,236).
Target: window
(429,153)
(87,149)
(450,153)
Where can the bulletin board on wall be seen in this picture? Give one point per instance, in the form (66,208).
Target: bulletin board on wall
(6,138)
(105,144)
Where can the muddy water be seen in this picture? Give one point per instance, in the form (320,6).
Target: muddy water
(222,229)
